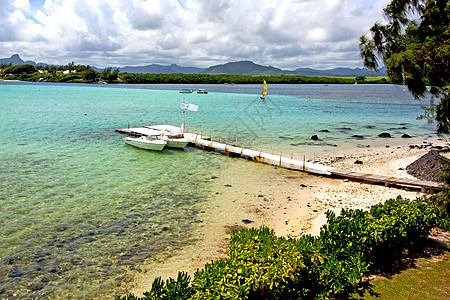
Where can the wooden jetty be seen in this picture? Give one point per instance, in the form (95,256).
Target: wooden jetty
(205,142)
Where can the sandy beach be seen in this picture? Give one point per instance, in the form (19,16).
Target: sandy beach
(292,203)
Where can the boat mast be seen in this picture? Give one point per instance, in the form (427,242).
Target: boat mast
(183,126)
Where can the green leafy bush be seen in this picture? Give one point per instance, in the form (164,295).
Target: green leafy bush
(263,266)
(442,200)
(170,289)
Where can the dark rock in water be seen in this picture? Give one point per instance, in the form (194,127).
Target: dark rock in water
(344,128)
(126,256)
(314,144)
(358,162)
(227,185)
(315,138)
(369,126)
(61,228)
(406,136)
(15,272)
(358,137)
(75,260)
(385,135)
(285,138)
(247,221)
(37,287)
(324,130)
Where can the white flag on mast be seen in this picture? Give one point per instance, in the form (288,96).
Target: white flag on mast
(188,106)
(192,107)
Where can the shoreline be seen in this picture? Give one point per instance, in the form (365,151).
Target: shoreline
(292,203)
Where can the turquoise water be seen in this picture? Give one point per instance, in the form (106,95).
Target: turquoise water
(81,211)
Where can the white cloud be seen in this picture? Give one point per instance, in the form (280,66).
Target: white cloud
(283,33)
(23,5)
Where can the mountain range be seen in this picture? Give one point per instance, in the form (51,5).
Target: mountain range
(231,68)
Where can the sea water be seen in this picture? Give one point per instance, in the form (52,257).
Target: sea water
(82,213)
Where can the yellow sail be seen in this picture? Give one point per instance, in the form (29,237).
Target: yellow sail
(264,89)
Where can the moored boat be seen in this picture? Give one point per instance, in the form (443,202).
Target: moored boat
(146,142)
(186,91)
(176,142)
(202,91)
(173,135)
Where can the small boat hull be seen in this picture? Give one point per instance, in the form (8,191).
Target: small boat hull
(147,144)
(176,143)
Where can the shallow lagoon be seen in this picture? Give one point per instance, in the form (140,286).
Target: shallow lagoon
(82,213)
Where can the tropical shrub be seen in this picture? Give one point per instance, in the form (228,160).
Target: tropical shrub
(263,266)
(169,289)
(260,266)
(442,200)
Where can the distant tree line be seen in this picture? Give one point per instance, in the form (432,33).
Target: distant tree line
(241,79)
(66,73)
(85,74)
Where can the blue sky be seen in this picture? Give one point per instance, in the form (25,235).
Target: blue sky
(287,34)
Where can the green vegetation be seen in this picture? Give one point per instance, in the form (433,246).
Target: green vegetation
(415,52)
(67,73)
(442,200)
(239,79)
(72,73)
(351,246)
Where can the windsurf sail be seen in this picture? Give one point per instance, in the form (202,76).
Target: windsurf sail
(264,89)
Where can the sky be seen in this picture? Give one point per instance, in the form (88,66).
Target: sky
(287,34)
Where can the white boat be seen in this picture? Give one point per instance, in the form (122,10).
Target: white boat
(202,91)
(176,142)
(146,142)
(170,129)
(173,135)
(186,91)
